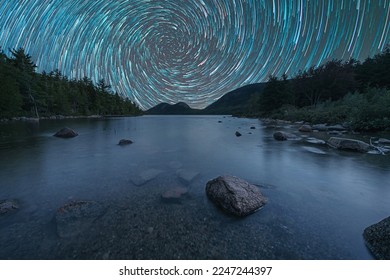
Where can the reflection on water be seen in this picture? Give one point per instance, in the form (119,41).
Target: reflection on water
(320,200)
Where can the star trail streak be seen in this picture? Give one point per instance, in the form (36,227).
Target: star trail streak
(190,50)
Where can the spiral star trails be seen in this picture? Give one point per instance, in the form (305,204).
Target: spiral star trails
(193,51)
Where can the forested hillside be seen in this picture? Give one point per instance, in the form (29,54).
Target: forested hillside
(24,92)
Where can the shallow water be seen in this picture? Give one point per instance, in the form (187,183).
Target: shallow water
(319,200)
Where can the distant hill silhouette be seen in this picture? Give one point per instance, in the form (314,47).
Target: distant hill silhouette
(236,102)
(180,108)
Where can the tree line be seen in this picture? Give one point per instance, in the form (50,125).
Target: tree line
(24,92)
(357,93)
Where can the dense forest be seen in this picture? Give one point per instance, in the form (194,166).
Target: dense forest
(24,92)
(351,92)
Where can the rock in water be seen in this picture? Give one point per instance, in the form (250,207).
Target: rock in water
(238,134)
(377,239)
(348,144)
(174,195)
(305,128)
(145,176)
(66,132)
(8,205)
(234,195)
(282,136)
(77,216)
(124,142)
(187,176)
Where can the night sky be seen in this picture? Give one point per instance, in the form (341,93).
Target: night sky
(190,50)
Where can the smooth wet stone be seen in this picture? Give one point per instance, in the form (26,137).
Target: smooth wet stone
(77,216)
(145,176)
(8,205)
(377,238)
(66,132)
(235,195)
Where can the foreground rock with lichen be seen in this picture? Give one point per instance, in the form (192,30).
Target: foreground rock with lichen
(377,239)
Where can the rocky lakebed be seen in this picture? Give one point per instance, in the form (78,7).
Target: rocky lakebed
(172,210)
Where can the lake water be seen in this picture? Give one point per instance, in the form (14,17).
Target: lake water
(319,200)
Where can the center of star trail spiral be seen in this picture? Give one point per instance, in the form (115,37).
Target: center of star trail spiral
(193,51)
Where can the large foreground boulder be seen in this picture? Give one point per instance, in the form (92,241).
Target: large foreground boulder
(377,239)
(8,205)
(66,132)
(348,144)
(234,195)
(77,216)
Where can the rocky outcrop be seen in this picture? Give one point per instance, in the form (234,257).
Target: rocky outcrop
(8,205)
(77,216)
(348,144)
(377,238)
(282,136)
(66,132)
(234,195)
(124,142)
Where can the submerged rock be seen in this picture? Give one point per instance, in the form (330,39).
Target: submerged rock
(145,176)
(187,176)
(66,132)
(77,216)
(234,195)
(348,144)
(8,205)
(377,238)
(174,195)
(124,142)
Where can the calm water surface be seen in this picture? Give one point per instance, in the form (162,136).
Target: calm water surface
(319,200)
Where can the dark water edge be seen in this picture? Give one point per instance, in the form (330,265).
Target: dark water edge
(319,204)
